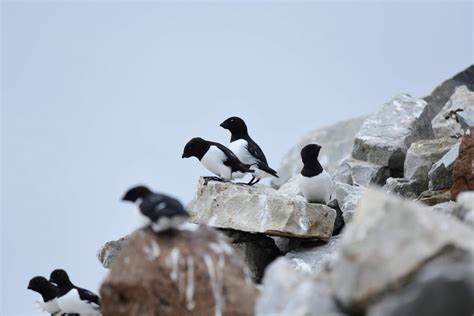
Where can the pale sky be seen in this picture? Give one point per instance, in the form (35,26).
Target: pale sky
(97,97)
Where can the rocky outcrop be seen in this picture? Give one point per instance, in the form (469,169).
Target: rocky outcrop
(403,187)
(259,209)
(191,272)
(441,173)
(366,268)
(336,141)
(447,122)
(347,197)
(465,207)
(385,137)
(110,250)
(463,174)
(361,173)
(429,197)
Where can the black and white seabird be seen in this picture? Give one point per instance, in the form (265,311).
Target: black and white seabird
(217,158)
(247,150)
(48,292)
(158,211)
(72,299)
(314,182)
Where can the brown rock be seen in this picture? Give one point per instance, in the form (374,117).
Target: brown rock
(191,272)
(463,174)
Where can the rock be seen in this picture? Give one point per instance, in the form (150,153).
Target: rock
(446,122)
(444,286)
(421,156)
(110,250)
(434,197)
(291,187)
(312,257)
(447,208)
(409,189)
(260,209)
(463,171)
(347,197)
(438,98)
(361,173)
(441,173)
(258,250)
(465,207)
(336,141)
(290,292)
(388,240)
(193,272)
(385,137)
(466,118)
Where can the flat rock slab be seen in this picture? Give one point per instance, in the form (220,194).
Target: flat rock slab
(385,137)
(259,209)
(388,240)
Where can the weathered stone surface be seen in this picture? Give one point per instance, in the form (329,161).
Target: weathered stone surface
(260,209)
(336,141)
(291,187)
(385,137)
(193,272)
(446,122)
(421,156)
(258,250)
(110,250)
(388,240)
(361,173)
(407,188)
(465,207)
(463,174)
(444,286)
(434,197)
(466,118)
(287,291)
(312,257)
(441,173)
(438,98)
(347,197)
(447,208)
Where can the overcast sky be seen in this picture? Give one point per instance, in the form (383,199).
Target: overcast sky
(97,97)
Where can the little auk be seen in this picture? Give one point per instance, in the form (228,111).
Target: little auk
(314,182)
(73,299)
(48,292)
(158,211)
(217,158)
(247,150)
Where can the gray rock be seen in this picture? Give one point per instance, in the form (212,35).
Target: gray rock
(258,250)
(441,174)
(343,173)
(347,197)
(421,156)
(466,118)
(465,207)
(446,122)
(430,198)
(407,188)
(291,187)
(388,240)
(287,291)
(259,209)
(313,257)
(438,98)
(361,173)
(385,137)
(444,286)
(110,250)
(447,208)
(336,141)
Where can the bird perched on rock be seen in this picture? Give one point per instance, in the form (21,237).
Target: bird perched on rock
(158,211)
(314,182)
(72,299)
(48,293)
(217,158)
(247,150)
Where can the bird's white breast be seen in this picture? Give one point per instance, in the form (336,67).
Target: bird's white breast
(316,189)
(72,303)
(50,307)
(213,160)
(239,148)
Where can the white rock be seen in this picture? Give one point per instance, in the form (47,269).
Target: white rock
(441,174)
(347,197)
(361,173)
(291,187)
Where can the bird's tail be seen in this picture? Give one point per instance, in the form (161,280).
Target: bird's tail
(245,168)
(263,166)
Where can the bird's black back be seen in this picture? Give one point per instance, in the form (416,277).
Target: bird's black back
(157,205)
(232,161)
(88,296)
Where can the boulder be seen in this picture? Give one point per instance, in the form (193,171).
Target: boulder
(388,240)
(441,174)
(259,209)
(287,291)
(446,122)
(385,137)
(430,198)
(291,187)
(463,171)
(438,98)
(466,118)
(421,156)
(447,208)
(110,250)
(361,173)
(444,286)
(465,207)
(336,141)
(190,272)
(347,197)
(407,188)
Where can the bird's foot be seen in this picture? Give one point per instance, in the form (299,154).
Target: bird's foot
(207,179)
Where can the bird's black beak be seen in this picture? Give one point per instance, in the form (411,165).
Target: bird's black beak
(223,125)
(29,287)
(183,156)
